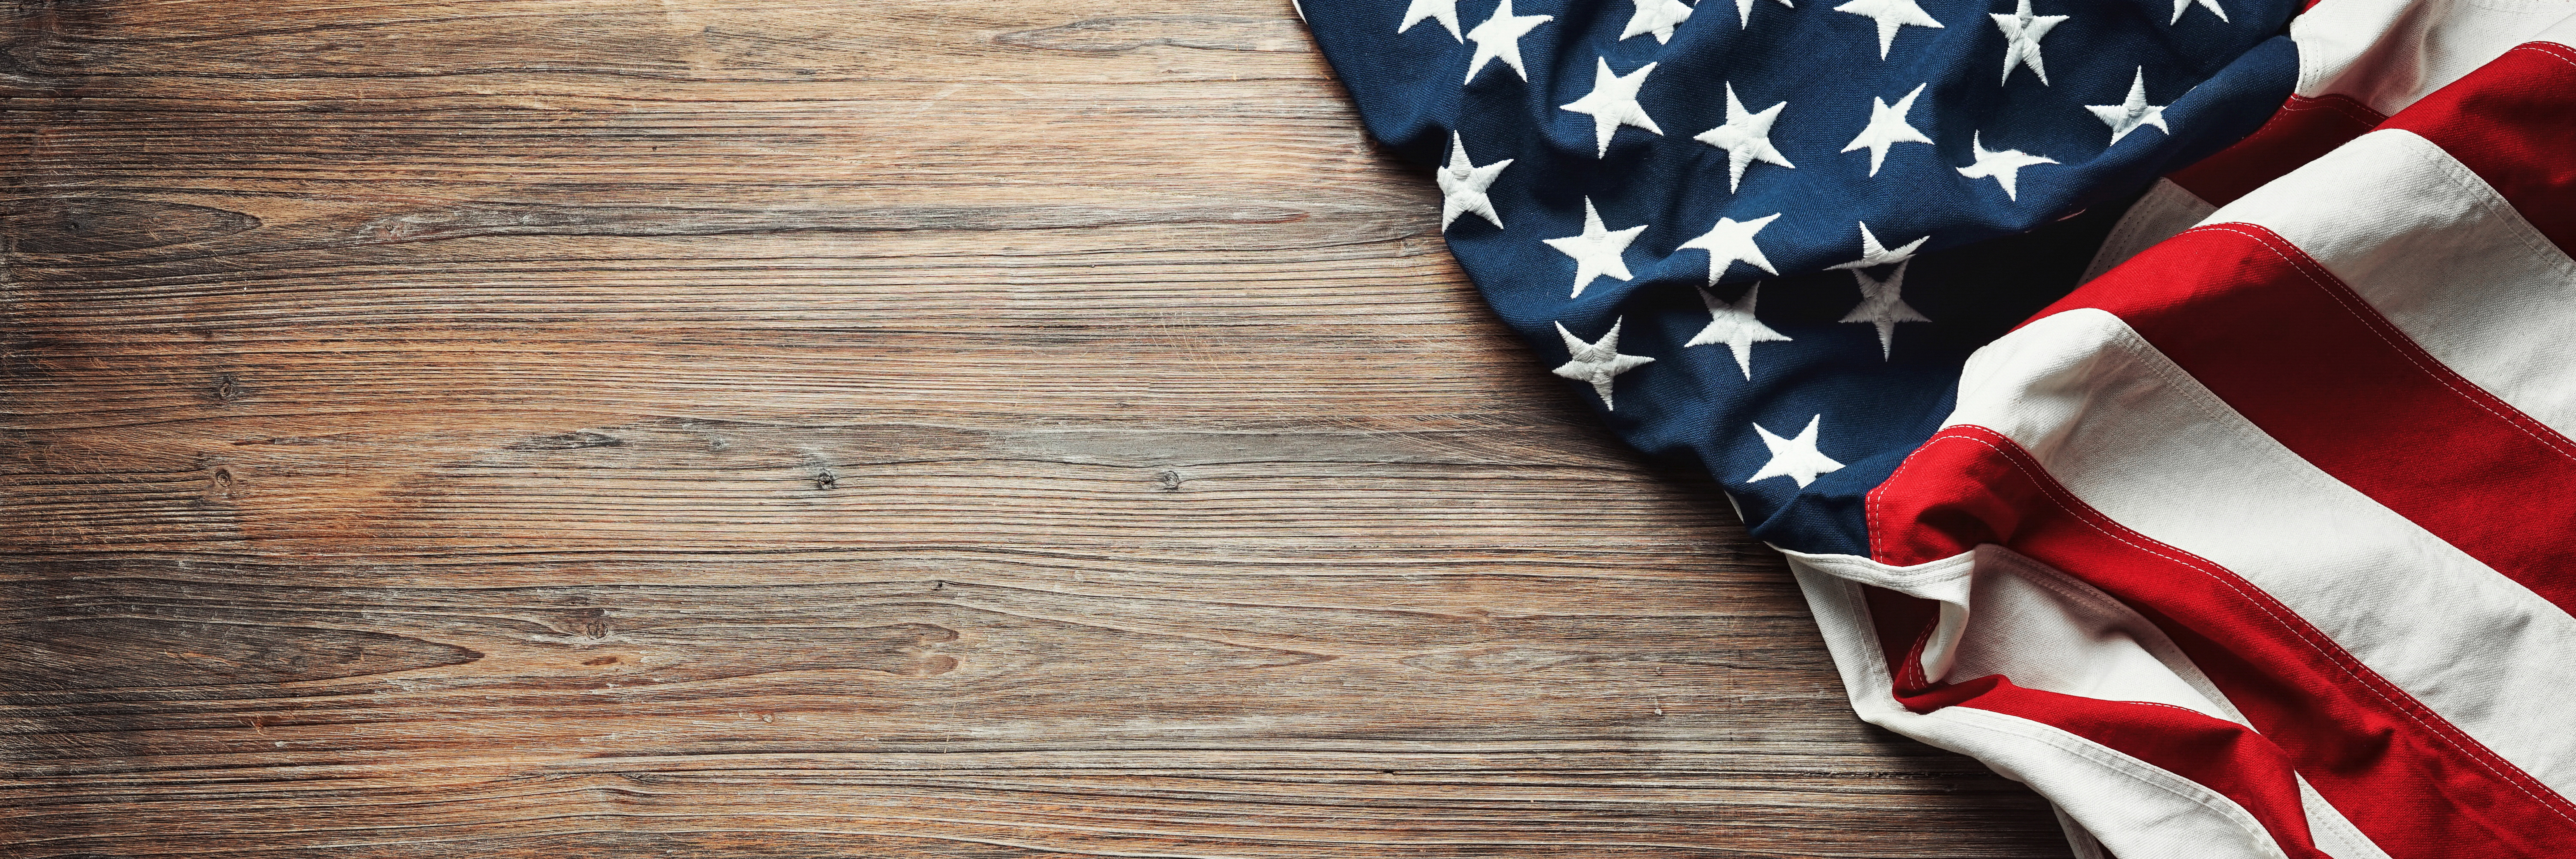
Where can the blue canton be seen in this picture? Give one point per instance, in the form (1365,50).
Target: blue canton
(1763,236)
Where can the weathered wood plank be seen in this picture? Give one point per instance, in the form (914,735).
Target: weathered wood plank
(910,429)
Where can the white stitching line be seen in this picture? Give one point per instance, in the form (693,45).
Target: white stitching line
(2565,448)
(2470,748)
(2552,49)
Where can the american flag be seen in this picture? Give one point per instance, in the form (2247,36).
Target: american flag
(2164,402)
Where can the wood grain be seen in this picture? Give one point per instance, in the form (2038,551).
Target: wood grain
(916,428)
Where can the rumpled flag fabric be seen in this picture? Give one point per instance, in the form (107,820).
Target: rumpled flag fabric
(2166,403)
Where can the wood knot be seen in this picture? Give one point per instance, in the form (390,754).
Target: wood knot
(825,479)
(1168,480)
(221,488)
(227,389)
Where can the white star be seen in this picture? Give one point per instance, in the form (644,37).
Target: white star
(1597,362)
(1873,254)
(1597,251)
(1444,11)
(2126,116)
(2022,32)
(1794,458)
(1463,184)
(1887,128)
(1734,325)
(1746,137)
(1613,103)
(2211,5)
(1657,17)
(2003,165)
(1500,36)
(1882,304)
(1744,12)
(1890,14)
(1731,242)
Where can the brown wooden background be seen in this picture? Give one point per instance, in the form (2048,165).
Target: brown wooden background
(909,428)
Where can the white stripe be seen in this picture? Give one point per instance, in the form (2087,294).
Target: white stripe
(2127,431)
(2443,256)
(2389,53)
(2134,808)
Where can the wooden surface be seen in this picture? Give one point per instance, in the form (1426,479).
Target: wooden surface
(908,428)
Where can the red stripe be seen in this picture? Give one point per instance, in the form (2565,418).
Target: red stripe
(2302,356)
(2303,129)
(2220,755)
(2409,779)
(2513,121)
